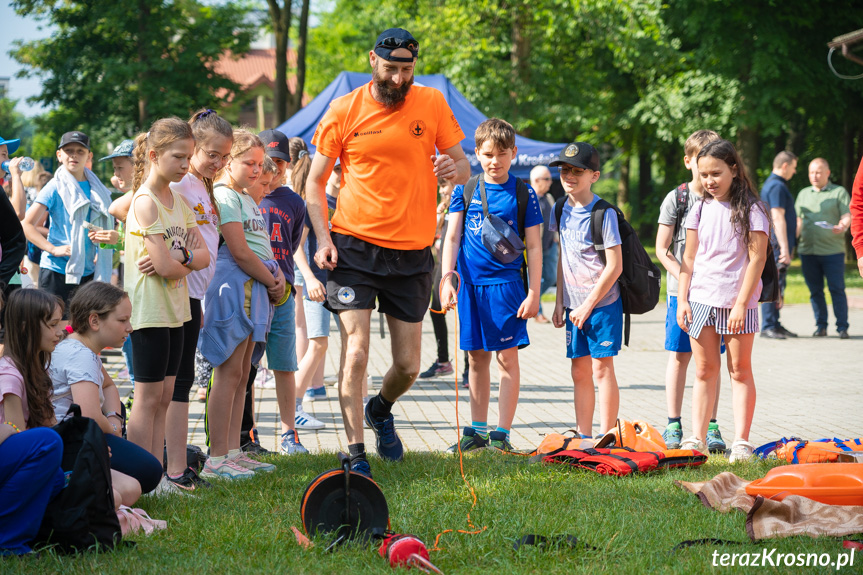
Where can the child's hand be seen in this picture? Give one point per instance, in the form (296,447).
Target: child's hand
(684,315)
(316,290)
(145,266)
(104,237)
(193,242)
(277,292)
(61,251)
(449,297)
(580,314)
(737,318)
(529,307)
(558,318)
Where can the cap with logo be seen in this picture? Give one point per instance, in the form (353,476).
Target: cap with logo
(578,154)
(394,38)
(123,150)
(276,144)
(74,138)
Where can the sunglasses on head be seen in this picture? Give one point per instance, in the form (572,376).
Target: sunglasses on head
(393,43)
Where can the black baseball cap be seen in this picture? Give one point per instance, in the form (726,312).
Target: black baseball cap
(578,154)
(393,39)
(276,144)
(74,138)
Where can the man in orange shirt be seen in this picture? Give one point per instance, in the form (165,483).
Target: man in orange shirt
(393,140)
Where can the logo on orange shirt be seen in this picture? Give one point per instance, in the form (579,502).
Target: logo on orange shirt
(418,128)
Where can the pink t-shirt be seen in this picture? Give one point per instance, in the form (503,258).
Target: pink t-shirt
(12,382)
(722,257)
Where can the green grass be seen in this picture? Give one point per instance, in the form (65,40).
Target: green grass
(634,521)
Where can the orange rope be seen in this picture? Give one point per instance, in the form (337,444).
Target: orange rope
(473,528)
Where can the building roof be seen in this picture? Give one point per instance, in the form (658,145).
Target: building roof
(255,68)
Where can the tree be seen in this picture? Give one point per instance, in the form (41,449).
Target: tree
(285,102)
(110,69)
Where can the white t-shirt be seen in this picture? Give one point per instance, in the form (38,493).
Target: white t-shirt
(193,191)
(73,362)
(722,257)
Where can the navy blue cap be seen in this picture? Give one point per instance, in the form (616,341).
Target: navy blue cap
(578,154)
(277,144)
(393,39)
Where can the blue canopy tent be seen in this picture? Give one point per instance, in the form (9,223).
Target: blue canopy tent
(530,152)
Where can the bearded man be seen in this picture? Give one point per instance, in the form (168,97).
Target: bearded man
(393,140)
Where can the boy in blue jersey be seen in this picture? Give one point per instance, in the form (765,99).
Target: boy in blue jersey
(588,295)
(493,308)
(284,212)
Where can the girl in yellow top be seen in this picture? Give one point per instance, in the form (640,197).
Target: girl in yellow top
(163,246)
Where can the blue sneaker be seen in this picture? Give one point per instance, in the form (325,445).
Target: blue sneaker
(388,444)
(314,393)
(362,467)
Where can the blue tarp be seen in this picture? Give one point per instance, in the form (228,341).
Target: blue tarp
(530,152)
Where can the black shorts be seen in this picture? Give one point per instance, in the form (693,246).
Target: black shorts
(401,280)
(186,372)
(157,352)
(55,283)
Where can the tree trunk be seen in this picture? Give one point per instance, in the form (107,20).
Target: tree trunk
(143,58)
(519,57)
(749,147)
(672,161)
(281,21)
(848,166)
(645,182)
(296,102)
(623,184)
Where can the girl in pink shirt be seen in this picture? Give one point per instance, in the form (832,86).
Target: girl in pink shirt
(720,283)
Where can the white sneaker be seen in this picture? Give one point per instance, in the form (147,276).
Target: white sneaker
(166,488)
(741,450)
(305,421)
(225,469)
(265,379)
(694,443)
(247,462)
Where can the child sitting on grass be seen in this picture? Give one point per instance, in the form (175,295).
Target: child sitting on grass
(494,309)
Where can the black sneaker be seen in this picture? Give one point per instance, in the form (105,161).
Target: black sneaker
(772,334)
(189,480)
(470,441)
(253,445)
(436,370)
(781,329)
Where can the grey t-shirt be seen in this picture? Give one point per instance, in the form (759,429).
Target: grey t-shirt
(668,217)
(72,362)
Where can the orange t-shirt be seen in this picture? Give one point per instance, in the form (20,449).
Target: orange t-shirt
(388,192)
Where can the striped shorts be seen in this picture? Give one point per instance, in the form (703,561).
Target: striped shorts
(707,315)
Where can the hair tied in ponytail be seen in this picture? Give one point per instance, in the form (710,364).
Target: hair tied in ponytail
(302,154)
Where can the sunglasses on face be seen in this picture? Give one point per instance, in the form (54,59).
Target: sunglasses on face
(393,43)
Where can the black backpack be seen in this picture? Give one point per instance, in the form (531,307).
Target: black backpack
(640,279)
(82,516)
(522,197)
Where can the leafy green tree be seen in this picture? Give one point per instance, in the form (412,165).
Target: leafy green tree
(112,67)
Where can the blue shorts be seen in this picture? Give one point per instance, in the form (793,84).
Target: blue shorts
(317,319)
(282,339)
(487,317)
(601,335)
(676,339)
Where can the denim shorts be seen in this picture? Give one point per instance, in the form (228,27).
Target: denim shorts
(282,339)
(317,319)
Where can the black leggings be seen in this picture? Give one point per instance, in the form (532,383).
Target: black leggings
(134,461)
(186,372)
(439,319)
(157,352)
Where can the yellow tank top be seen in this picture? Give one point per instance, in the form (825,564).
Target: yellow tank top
(157,302)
